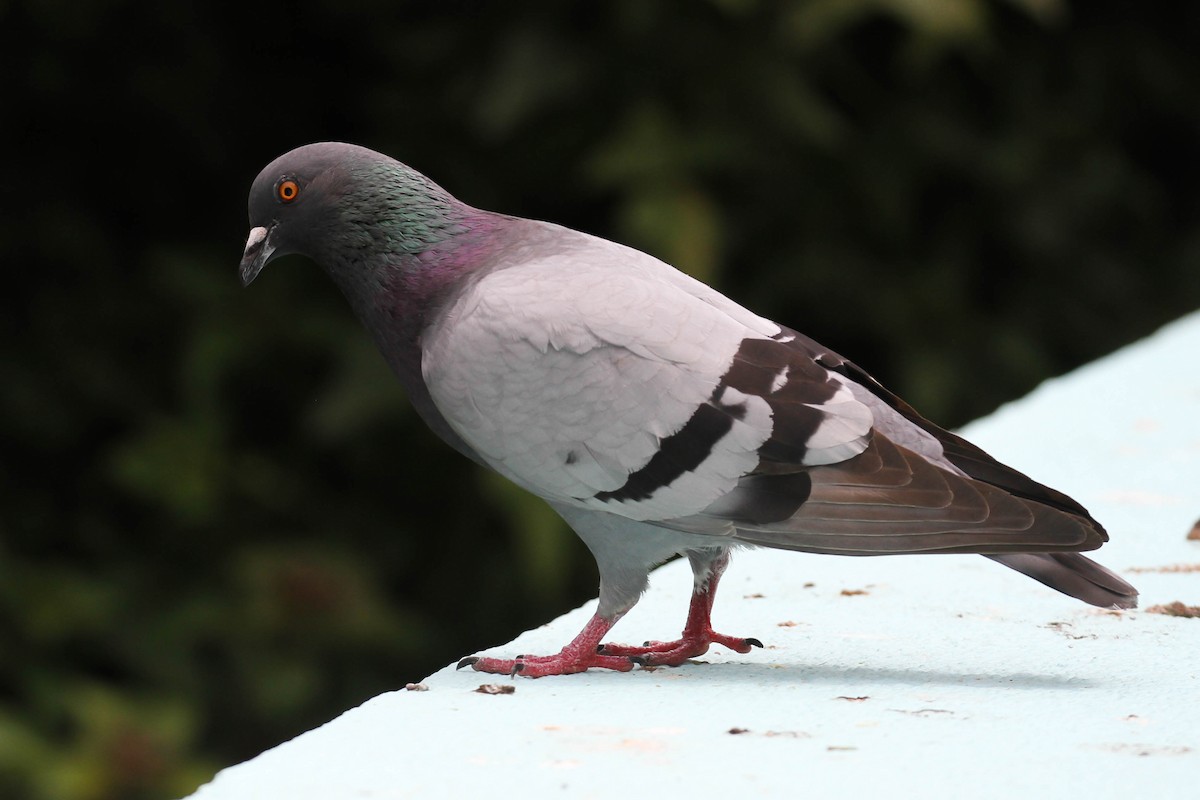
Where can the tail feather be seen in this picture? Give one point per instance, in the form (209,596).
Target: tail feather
(1075,575)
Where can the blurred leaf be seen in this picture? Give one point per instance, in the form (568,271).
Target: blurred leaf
(540,535)
(177,464)
(679,224)
(359,395)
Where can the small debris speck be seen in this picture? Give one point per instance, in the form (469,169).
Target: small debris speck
(416,687)
(1065,629)
(496,688)
(808,585)
(1175,609)
(1169,568)
(755,596)
(787,623)
(853,592)
(1194,533)
(1132,749)
(840,748)
(853,699)
(773,734)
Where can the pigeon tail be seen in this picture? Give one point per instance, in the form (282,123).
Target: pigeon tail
(1075,575)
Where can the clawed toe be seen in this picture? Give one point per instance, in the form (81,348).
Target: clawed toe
(586,650)
(673,654)
(564,663)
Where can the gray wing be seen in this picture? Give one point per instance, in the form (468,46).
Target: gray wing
(1068,572)
(915,488)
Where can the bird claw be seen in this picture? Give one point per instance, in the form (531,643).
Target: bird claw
(541,666)
(673,654)
(584,653)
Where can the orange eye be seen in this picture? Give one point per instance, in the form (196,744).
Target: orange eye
(287,191)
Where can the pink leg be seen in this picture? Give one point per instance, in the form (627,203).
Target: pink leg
(697,635)
(581,654)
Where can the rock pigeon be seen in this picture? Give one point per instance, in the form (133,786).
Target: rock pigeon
(654,414)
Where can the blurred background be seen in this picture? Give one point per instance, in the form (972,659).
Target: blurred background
(221,524)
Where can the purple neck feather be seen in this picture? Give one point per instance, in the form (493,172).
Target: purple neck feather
(397,294)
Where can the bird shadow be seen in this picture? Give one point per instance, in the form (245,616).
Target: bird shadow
(780,674)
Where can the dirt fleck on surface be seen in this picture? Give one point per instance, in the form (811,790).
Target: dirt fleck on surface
(496,688)
(1169,568)
(1194,533)
(1065,629)
(773,734)
(853,699)
(1128,748)
(853,592)
(1176,609)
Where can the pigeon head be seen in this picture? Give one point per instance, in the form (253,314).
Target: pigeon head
(345,207)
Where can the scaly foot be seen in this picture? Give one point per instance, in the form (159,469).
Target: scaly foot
(581,654)
(672,654)
(564,663)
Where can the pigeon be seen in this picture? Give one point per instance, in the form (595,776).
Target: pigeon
(658,417)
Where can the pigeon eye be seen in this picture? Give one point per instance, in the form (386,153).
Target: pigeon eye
(287,191)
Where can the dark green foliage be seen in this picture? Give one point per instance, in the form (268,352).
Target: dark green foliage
(220,524)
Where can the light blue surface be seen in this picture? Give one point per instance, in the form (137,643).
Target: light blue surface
(950,677)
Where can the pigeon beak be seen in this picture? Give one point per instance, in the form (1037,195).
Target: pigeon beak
(258,252)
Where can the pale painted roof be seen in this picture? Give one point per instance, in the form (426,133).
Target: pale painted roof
(930,676)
